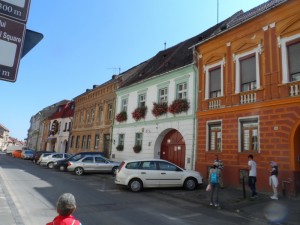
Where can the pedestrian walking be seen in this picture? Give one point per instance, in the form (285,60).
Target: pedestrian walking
(220,163)
(252,176)
(220,166)
(215,181)
(273,179)
(65,206)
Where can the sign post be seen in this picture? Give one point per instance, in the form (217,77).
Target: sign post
(13,18)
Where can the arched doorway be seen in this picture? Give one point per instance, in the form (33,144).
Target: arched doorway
(173,148)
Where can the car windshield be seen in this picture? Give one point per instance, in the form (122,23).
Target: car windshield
(28,151)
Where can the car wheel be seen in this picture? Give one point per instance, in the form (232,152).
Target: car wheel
(135,185)
(190,184)
(114,170)
(62,168)
(50,165)
(78,171)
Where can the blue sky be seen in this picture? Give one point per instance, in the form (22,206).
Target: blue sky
(85,42)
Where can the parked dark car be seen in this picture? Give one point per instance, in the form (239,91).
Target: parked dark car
(37,155)
(63,164)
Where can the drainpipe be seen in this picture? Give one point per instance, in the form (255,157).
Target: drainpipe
(195,126)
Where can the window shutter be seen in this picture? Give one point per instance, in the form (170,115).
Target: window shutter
(248,70)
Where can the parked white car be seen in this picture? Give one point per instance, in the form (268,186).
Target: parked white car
(150,173)
(48,160)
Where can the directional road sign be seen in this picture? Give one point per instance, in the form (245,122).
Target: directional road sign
(12,35)
(15,9)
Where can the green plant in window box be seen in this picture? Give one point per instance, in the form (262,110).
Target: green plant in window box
(137,148)
(120,147)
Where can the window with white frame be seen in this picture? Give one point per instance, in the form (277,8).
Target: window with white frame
(142,100)
(66,125)
(214,82)
(290,50)
(83,144)
(87,117)
(97,139)
(163,94)
(92,115)
(247,71)
(88,144)
(293,53)
(124,105)
(121,139)
(77,142)
(72,142)
(214,136)
(110,112)
(81,118)
(100,113)
(182,90)
(249,135)
(139,139)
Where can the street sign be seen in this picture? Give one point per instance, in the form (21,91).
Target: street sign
(12,35)
(32,38)
(15,9)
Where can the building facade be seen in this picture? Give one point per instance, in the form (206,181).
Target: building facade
(60,127)
(249,99)
(35,139)
(4,137)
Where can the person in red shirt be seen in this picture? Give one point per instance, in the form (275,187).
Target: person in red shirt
(65,206)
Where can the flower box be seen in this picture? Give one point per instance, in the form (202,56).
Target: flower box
(159,108)
(122,116)
(139,113)
(137,148)
(179,106)
(120,147)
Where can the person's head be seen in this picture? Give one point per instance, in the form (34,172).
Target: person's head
(250,157)
(66,204)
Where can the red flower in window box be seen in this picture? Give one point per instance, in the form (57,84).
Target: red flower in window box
(120,147)
(139,113)
(137,148)
(179,106)
(122,116)
(159,109)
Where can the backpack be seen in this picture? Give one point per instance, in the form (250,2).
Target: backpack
(214,177)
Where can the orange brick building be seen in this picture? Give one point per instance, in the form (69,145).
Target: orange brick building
(249,95)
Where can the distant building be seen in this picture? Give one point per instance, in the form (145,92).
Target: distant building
(35,131)
(60,127)
(94,115)
(4,137)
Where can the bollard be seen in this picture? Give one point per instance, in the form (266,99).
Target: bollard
(244,188)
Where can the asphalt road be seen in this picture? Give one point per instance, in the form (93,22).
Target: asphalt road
(35,189)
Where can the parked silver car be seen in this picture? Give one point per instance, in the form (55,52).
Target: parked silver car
(50,159)
(94,164)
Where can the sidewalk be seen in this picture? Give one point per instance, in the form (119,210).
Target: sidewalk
(8,211)
(261,209)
